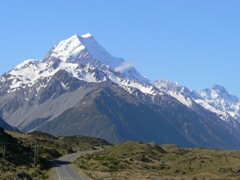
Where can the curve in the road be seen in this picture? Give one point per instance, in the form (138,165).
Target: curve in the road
(64,168)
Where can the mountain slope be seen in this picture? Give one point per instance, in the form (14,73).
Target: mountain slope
(78,88)
(111,113)
(5,125)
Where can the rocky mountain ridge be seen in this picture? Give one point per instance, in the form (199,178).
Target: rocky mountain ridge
(216,99)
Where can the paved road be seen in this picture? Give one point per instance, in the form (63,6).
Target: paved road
(64,168)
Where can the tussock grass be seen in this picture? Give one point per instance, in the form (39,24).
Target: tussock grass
(135,160)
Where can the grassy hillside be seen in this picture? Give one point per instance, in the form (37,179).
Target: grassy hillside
(130,160)
(20,151)
(135,160)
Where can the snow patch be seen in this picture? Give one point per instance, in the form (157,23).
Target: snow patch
(180,97)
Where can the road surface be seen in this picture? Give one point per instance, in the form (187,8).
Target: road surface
(64,168)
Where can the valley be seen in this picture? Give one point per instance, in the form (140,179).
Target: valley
(120,90)
(129,160)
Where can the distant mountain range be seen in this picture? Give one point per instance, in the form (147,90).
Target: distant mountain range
(217,99)
(78,88)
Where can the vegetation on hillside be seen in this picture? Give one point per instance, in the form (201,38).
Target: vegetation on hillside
(129,160)
(20,148)
(135,160)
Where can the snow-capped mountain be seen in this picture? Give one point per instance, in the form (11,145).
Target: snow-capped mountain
(217,99)
(31,71)
(82,49)
(84,58)
(80,88)
(181,93)
(86,50)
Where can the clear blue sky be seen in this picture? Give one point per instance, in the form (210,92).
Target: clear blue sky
(193,42)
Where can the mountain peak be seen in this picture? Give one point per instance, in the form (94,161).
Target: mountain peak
(167,85)
(65,49)
(219,88)
(218,92)
(82,49)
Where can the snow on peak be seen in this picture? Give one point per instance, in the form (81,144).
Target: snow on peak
(220,101)
(98,52)
(86,50)
(218,87)
(167,85)
(218,92)
(26,63)
(82,49)
(31,71)
(72,55)
(67,48)
(181,93)
(217,99)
